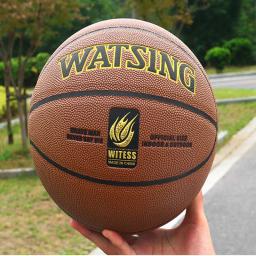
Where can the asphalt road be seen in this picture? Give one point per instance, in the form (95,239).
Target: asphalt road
(242,80)
(231,208)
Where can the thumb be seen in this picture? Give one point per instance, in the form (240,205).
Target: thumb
(195,212)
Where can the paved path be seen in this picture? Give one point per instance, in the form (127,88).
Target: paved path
(231,208)
(242,80)
(14,121)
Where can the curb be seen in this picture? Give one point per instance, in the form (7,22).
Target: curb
(235,100)
(14,121)
(231,74)
(235,142)
(10,173)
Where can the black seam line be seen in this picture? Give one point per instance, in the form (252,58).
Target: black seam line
(140,95)
(124,183)
(124,27)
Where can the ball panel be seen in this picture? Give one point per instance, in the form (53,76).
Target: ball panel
(141,81)
(92,113)
(110,206)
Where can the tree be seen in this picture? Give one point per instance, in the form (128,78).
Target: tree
(169,14)
(213,26)
(94,11)
(218,57)
(247,22)
(24,25)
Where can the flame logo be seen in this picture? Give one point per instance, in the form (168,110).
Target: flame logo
(121,131)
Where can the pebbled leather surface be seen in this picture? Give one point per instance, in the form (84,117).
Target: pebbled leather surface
(125,209)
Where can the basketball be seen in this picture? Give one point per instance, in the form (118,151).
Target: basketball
(123,126)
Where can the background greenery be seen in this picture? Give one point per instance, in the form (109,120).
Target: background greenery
(201,24)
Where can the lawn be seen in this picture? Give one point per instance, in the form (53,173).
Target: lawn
(30,223)
(225,93)
(232,69)
(233,117)
(12,156)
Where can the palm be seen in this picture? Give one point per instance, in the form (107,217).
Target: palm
(191,237)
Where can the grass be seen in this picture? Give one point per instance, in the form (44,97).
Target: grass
(225,93)
(30,223)
(231,69)
(233,117)
(12,156)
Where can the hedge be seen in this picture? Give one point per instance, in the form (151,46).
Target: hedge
(32,70)
(218,57)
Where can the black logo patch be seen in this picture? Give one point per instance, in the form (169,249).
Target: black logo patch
(123,137)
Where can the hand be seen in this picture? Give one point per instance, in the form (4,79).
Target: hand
(191,237)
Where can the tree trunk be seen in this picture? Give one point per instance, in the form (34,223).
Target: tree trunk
(22,122)
(25,111)
(8,107)
(9,116)
(22,118)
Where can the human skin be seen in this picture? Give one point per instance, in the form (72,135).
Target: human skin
(192,236)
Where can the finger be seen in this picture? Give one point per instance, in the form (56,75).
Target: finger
(118,242)
(103,243)
(130,239)
(195,212)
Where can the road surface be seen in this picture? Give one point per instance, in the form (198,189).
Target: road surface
(231,208)
(242,80)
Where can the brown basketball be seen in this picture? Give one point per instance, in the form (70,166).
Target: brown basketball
(123,126)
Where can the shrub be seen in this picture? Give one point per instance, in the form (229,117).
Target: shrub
(1,73)
(218,57)
(39,62)
(14,107)
(32,70)
(241,51)
(34,67)
(14,62)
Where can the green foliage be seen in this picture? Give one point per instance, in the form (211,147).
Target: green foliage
(241,51)
(1,73)
(14,107)
(218,57)
(92,12)
(14,63)
(246,26)
(38,62)
(169,14)
(34,67)
(212,26)
(32,70)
